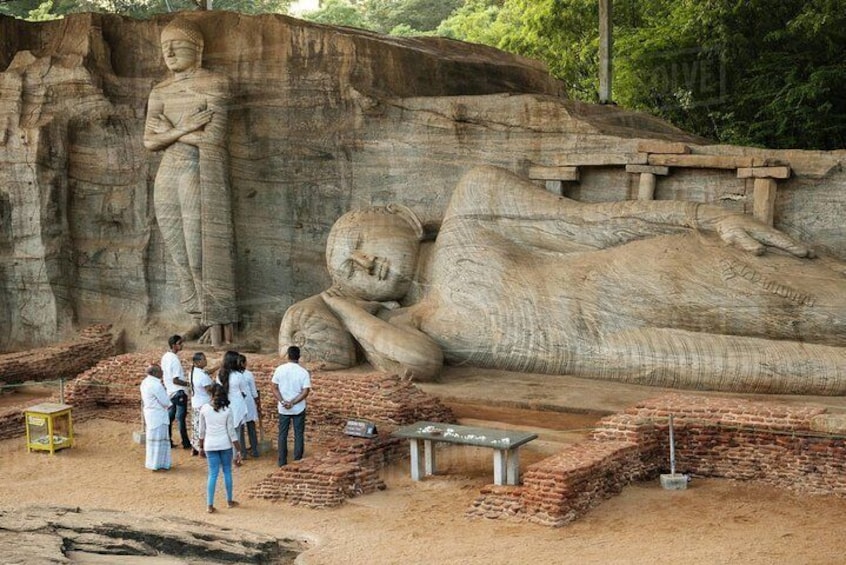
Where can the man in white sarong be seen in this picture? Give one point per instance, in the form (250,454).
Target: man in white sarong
(156,422)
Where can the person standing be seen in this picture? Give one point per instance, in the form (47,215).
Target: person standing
(230,378)
(293,384)
(253,410)
(218,441)
(155,405)
(201,385)
(177,390)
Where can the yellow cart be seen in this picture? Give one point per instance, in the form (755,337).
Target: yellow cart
(49,427)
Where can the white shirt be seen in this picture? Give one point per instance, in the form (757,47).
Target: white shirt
(216,428)
(252,395)
(292,379)
(172,367)
(156,402)
(237,392)
(200,380)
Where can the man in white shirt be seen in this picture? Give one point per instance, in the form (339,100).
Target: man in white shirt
(177,390)
(156,404)
(293,384)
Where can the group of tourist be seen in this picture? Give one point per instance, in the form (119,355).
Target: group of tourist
(225,411)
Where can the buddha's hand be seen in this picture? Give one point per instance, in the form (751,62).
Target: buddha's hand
(335,294)
(748,234)
(196,120)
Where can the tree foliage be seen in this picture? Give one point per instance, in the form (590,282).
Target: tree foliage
(751,72)
(52,9)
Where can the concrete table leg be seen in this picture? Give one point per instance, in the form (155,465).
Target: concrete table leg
(416,469)
(429,456)
(512,473)
(499,459)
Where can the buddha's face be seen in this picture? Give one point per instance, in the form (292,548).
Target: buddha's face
(179,53)
(374,256)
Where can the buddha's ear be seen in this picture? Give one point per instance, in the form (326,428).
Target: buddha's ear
(409,216)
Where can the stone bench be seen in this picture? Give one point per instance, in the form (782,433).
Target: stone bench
(505,443)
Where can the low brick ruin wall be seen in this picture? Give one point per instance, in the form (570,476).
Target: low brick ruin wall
(65,360)
(795,447)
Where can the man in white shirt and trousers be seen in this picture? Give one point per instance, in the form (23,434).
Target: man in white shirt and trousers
(293,384)
(177,390)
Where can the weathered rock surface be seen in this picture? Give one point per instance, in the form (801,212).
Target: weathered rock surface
(55,535)
(326,120)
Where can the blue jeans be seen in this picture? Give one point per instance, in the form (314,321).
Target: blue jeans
(299,436)
(179,411)
(219,460)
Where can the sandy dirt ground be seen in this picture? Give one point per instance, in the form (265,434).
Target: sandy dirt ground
(714,521)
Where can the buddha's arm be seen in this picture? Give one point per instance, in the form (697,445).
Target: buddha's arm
(388,346)
(520,211)
(217,102)
(160,132)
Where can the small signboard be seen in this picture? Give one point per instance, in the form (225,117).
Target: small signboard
(360,428)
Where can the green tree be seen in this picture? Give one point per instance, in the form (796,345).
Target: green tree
(338,12)
(421,15)
(50,9)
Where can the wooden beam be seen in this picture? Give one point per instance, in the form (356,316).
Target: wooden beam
(658,146)
(763,173)
(595,159)
(652,170)
(701,161)
(541,172)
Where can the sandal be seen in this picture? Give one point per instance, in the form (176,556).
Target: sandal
(232,504)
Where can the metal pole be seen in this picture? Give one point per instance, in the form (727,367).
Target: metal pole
(672,449)
(606,42)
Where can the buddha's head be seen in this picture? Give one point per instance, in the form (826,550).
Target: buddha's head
(182,45)
(372,253)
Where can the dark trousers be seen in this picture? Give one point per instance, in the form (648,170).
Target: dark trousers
(251,434)
(299,436)
(179,411)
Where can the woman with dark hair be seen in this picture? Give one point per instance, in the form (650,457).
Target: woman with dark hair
(232,380)
(217,440)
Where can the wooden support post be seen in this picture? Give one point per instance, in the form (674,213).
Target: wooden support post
(764,195)
(606,43)
(646,187)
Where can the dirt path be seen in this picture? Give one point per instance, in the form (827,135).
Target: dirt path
(715,521)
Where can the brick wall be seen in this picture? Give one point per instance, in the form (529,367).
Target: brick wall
(770,442)
(65,360)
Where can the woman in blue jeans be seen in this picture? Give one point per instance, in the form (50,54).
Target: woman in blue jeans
(217,440)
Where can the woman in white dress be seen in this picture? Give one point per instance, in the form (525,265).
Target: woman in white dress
(232,380)
(253,410)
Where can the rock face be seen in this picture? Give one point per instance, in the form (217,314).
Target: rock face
(66,535)
(324,120)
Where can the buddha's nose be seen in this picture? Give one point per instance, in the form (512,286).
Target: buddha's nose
(363,260)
